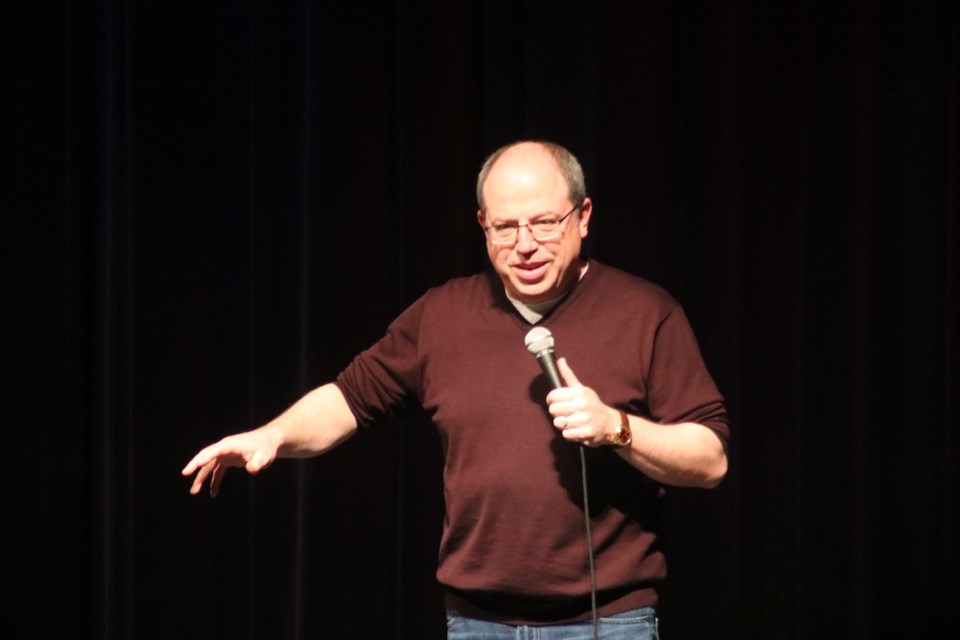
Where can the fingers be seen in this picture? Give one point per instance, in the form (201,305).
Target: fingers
(215,479)
(256,462)
(576,409)
(210,464)
(202,474)
(571,421)
(579,434)
(202,458)
(214,471)
(571,392)
(567,374)
(191,467)
(574,426)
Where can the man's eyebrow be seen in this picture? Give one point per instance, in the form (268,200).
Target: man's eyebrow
(533,217)
(545,214)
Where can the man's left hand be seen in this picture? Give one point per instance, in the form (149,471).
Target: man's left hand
(579,413)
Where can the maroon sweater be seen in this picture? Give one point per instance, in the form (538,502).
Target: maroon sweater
(513,546)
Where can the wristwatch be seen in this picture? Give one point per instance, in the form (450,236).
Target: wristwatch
(622,437)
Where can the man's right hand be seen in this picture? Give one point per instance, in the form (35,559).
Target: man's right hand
(253,450)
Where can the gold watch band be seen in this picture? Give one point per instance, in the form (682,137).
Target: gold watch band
(623,437)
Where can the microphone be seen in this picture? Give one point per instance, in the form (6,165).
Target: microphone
(539,342)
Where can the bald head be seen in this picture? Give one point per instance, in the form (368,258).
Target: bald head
(523,185)
(529,153)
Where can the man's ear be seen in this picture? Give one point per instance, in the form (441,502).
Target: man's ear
(583,222)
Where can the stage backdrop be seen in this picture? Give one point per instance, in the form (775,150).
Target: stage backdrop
(212,206)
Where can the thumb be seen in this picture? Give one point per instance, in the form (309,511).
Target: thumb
(256,462)
(569,379)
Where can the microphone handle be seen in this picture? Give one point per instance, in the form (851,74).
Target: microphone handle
(548,363)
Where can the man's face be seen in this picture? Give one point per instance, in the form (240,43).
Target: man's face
(525,185)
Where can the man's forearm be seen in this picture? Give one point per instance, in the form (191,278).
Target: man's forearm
(316,423)
(685,455)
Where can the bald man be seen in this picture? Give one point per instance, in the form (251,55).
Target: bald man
(636,399)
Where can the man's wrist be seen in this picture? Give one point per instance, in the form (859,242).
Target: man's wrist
(622,435)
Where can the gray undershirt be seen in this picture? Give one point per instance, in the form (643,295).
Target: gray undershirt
(534,313)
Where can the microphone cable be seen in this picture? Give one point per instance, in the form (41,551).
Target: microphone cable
(588,527)
(539,342)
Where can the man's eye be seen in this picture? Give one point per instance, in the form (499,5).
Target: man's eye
(504,227)
(544,225)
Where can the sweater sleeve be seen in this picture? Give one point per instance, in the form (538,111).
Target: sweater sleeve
(680,387)
(383,381)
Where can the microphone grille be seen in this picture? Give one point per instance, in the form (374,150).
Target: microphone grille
(538,339)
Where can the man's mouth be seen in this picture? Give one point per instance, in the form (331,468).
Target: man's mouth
(531,271)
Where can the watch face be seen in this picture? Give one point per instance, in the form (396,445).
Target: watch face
(622,438)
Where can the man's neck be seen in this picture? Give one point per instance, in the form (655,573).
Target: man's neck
(534,312)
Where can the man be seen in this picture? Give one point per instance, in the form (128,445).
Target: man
(513,551)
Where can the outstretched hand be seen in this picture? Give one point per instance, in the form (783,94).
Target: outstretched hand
(253,450)
(578,411)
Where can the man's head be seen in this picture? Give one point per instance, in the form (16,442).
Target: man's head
(533,183)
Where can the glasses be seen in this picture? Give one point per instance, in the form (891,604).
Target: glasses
(542,229)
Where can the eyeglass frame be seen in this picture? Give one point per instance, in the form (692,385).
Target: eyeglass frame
(517,228)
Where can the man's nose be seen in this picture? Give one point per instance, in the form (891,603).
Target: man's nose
(526,243)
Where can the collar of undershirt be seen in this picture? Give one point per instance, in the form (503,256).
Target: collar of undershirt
(534,313)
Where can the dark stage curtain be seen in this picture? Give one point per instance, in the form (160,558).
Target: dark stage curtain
(212,206)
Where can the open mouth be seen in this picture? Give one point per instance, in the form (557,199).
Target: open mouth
(531,272)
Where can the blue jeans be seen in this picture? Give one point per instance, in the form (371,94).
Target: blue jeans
(639,624)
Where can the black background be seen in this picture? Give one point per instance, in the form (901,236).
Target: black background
(211,206)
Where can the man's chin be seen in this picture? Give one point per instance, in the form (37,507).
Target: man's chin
(532,293)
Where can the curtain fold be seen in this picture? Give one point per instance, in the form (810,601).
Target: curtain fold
(214,207)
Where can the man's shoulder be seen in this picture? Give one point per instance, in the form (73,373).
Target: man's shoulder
(629,287)
(465,299)
(465,291)
(469,284)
